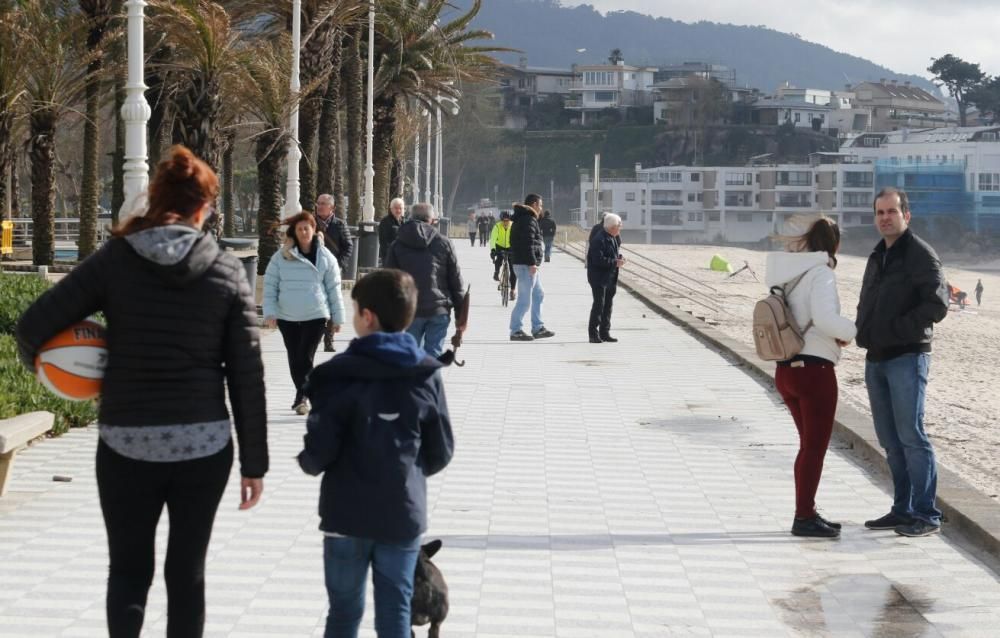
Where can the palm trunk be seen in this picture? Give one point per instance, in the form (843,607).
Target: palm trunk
(269,155)
(5,207)
(308,122)
(43,155)
(228,209)
(15,187)
(382,143)
(118,156)
(90,186)
(353,91)
(329,171)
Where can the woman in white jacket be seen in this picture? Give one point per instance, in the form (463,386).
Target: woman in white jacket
(302,293)
(807,382)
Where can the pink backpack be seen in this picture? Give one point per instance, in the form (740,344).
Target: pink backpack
(776,336)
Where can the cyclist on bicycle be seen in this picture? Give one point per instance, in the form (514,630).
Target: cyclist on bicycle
(500,247)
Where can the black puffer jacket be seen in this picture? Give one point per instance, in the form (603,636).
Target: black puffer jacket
(430,259)
(178,335)
(548,226)
(903,295)
(388,228)
(526,245)
(336,238)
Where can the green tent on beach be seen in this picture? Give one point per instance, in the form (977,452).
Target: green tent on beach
(719,264)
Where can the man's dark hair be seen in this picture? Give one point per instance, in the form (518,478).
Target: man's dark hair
(532,199)
(391,295)
(904,201)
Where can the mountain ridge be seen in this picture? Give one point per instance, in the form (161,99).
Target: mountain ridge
(762,57)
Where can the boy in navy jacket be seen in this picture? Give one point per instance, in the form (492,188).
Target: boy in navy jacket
(378,427)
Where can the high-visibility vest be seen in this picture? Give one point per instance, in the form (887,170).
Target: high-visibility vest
(500,237)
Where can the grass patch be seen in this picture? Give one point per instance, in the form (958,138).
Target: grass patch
(18,292)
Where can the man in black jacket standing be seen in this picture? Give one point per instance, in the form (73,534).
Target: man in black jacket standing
(603,262)
(903,295)
(388,228)
(430,259)
(337,239)
(526,255)
(548,226)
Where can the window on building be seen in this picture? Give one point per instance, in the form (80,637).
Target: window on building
(856,200)
(676,177)
(794,178)
(695,216)
(666,198)
(695,177)
(666,218)
(622,214)
(794,200)
(695,197)
(872,142)
(858,179)
(630,197)
(714,217)
(798,117)
(769,217)
(604,96)
(744,217)
(739,179)
(739,198)
(989,181)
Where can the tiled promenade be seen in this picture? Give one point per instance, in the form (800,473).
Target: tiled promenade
(641,488)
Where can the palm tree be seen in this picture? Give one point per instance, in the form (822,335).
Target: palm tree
(419,59)
(98,15)
(56,80)
(354,112)
(329,168)
(12,92)
(118,156)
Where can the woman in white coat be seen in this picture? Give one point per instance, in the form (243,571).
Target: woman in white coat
(302,293)
(807,382)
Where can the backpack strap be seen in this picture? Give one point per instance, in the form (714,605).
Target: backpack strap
(787,290)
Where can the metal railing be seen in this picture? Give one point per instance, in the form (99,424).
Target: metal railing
(66,229)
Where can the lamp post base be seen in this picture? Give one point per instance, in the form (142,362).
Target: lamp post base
(367,247)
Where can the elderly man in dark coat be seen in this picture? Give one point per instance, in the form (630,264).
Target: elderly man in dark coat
(603,262)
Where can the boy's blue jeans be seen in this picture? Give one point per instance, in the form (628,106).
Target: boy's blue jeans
(346,560)
(529,292)
(896,390)
(431,333)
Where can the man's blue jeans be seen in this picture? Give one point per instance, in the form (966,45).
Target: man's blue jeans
(346,561)
(529,292)
(548,247)
(896,390)
(430,333)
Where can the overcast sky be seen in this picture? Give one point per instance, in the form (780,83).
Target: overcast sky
(900,34)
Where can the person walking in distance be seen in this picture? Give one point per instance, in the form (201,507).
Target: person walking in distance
(182,331)
(807,382)
(472,226)
(903,294)
(301,296)
(548,226)
(526,255)
(484,228)
(429,257)
(388,227)
(603,262)
(337,240)
(979,292)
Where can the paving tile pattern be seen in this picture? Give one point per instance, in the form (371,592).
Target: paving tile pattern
(635,489)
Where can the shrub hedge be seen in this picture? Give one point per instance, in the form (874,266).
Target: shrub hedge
(19,391)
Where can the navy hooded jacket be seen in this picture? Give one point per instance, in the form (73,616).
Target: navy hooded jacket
(378,427)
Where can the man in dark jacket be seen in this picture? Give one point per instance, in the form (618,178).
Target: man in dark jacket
(548,226)
(603,262)
(388,228)
(903,295)
(526,254)
(483,222)
(337,239)
(429,257)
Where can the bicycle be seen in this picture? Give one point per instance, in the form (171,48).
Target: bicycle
(504,286)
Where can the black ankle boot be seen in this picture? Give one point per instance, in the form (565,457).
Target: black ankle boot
(813,527)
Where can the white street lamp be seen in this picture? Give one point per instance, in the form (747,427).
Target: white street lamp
(367,239)
(439,162)
(292,203)
(135,113)
(415,190)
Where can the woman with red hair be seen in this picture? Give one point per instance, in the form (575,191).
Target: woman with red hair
(181,329)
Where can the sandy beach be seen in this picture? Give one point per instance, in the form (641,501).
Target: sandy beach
(961,409)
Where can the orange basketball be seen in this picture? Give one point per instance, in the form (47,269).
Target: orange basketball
(71,364)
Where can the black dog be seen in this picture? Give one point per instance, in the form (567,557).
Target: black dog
(430,593)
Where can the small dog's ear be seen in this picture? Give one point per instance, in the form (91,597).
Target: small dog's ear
(431,548)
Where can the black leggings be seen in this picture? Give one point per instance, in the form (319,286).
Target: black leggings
(301,340)
(133,494)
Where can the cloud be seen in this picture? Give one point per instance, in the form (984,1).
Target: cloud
(900,34)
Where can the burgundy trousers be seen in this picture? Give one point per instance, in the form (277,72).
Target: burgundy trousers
(810,392)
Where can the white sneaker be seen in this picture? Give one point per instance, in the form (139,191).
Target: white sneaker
(302,407)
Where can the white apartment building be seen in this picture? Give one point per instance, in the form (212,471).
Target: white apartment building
(685,204)
(600,86)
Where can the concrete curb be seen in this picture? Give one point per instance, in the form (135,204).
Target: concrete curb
(967,511)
